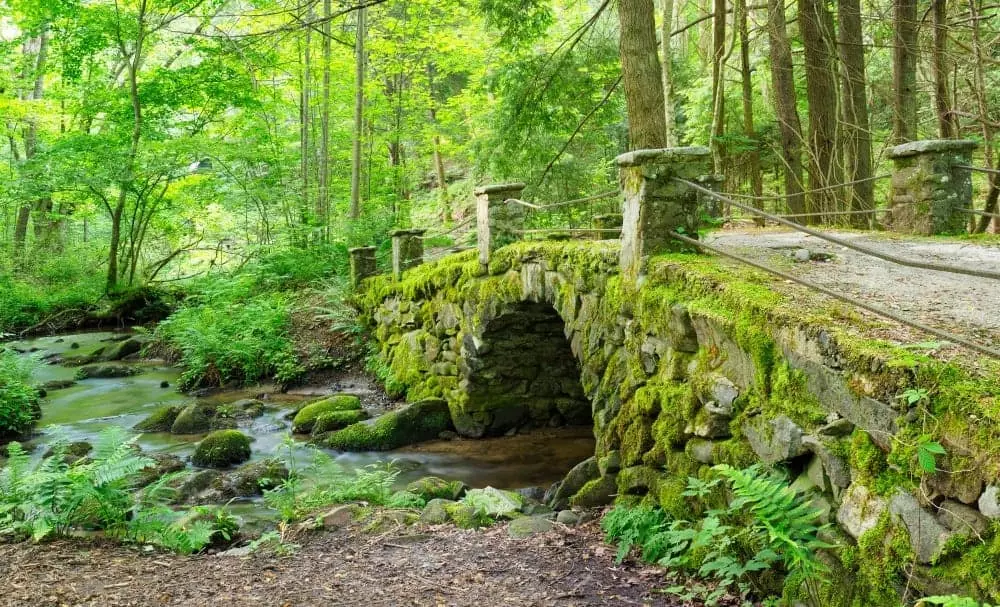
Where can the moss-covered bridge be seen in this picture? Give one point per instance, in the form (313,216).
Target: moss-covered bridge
(706,363)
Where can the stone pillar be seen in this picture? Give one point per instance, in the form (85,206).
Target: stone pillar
(407,250)
(497,222)
(655,205)
(609,226)
(362,264)
(928,189)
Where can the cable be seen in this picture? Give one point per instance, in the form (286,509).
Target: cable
(844,243)
(562,204)
(982,213)
(866,306)
(807,192)
(829,213)
(978,169)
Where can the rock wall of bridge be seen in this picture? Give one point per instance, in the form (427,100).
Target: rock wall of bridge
(704,364)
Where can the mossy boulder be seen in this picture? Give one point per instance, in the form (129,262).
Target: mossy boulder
(124,348)
(526,526)
(331,421)
(193,419)
(240,411)
(421,421)
(432,487)
(598,492)
(105,371)
(495,503)
(72,452)
(252,479)
(466,517)
(160,420)
(306,418)
(436,512)
(222,449)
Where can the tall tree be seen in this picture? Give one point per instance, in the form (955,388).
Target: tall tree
(641,74)
(361,62)
(904,70)
(941,68)
(719,16)
(756,179)
(783,88)
(323,185)
(816,26)
(666,45)
(857,135)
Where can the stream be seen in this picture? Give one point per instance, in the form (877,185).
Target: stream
(80,412)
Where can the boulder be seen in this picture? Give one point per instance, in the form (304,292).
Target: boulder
(575,479)
(331,421)
(435,512)
(927,535)
(307,416)
(568,517)
(105,371)
(989,502)
(221,449)
(526,526)
(338,517)
(72,452)
(123,349)
(165,464)
(598,492)
(432,487)
(252,479)
(57,384)
(161,420)
(962,519)
(193,419)
(494,503)
(422,421)
(466,516)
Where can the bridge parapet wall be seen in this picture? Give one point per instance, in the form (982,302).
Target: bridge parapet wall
(707,364)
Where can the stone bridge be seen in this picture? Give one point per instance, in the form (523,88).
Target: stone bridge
(697,363)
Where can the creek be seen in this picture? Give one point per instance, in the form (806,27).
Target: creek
(80,412)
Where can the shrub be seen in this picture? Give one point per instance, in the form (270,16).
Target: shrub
(221,449)
(19,408)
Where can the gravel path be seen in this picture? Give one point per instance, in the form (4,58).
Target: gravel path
(437,566)
(961,304)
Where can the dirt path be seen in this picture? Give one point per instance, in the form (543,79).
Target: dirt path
(440,566)
(961,304)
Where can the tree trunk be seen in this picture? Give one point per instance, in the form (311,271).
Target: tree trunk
(789,125)
(756,179)
(816,25)
(641,75)
(986,123)
(667,50)
(305,115)
(947,121)
(360,63)
(857,137)
(904,70)
(323,193)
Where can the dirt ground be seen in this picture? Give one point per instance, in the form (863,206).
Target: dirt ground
(437,566)
(957,303)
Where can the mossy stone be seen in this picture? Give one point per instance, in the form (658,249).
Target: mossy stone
(421,421)
(598,492)
(222,449)
(160,420)
(465,516)
(432,487)
(193,419)
(331,421)
(306,418)
(436,512)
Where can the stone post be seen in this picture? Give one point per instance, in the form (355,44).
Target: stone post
(497,222)
(362,264)
(655,205)
(609,226)
(928,189)
(407,250)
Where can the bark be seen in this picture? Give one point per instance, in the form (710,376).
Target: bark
(666,46)
(756,179)
(305,116)
(641,75)
(360,63)
(789,125)
(323,193)
(718,84)
(904,70)
(857,136)
(984,119)
(816,25)
(947,121)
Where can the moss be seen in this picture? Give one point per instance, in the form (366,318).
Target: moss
(866,458)
(594,493)
(418,422)
(193,419)
(883,553)
(306,418)
(976,569)
(432,487)
(331,421)
(466,517)
(222,449)
(160,420)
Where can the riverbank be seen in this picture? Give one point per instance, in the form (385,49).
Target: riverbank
(405,566)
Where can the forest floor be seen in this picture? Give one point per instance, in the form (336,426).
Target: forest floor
(436,566)
(961,304)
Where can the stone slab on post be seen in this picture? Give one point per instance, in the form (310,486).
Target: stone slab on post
(928,188)
(655,205)
(362,264)
(609,226)
(498,223)
(407,250)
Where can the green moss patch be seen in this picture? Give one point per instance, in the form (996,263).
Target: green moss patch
(421,421)
(306,418)
(222,449)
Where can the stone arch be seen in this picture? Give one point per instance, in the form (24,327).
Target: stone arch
(517,369)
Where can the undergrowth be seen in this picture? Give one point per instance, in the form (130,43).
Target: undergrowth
(18,399)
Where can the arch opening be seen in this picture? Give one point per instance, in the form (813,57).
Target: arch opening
(526,375)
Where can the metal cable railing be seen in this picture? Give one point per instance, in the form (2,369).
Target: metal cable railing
(464,224)
(840,241)
(980,213)
(978,169)
(813,191)
(845,298)
(537,207)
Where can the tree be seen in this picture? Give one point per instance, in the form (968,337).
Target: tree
(641,73)
(904,70)
(783,86)
(854,104)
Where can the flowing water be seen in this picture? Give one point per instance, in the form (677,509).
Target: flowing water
(82,411)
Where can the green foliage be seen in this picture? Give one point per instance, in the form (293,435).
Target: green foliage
(55,284)
(323,482)
(765,528)
(52,498)
(951,601)
(18,399)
